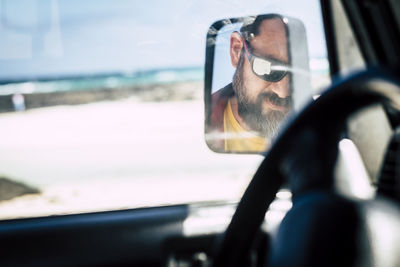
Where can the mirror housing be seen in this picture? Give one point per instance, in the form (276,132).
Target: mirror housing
(256,73)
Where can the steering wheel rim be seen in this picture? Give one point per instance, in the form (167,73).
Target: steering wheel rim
(356,92)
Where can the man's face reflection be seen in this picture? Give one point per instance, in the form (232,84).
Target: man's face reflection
(263,104)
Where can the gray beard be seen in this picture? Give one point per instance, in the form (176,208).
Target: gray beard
(266,124)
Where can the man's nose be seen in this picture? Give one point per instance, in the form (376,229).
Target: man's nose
(281,88)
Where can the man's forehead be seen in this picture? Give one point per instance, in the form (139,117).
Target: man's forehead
(271,40)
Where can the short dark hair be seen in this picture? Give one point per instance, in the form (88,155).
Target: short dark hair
(251,27)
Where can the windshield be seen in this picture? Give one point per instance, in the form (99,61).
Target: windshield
(102,103)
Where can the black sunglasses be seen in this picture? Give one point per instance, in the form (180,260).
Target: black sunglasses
(268,69)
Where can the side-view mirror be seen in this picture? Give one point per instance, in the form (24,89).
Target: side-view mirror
(256,74)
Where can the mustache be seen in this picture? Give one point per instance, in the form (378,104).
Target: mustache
(276,100)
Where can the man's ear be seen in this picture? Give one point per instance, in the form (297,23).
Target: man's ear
(236,46)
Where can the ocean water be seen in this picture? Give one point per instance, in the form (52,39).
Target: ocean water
(319,69)
(107,81)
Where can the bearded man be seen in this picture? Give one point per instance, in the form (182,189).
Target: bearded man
(249,110)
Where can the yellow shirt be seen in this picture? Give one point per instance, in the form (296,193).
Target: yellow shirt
(238,139)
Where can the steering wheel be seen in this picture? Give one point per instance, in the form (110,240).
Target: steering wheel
(326,117)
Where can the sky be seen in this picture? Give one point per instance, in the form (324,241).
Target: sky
(72,37)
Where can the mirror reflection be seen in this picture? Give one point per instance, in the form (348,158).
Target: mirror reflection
(245,113)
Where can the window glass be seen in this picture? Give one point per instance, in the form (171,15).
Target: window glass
(350,58)
(102,107)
